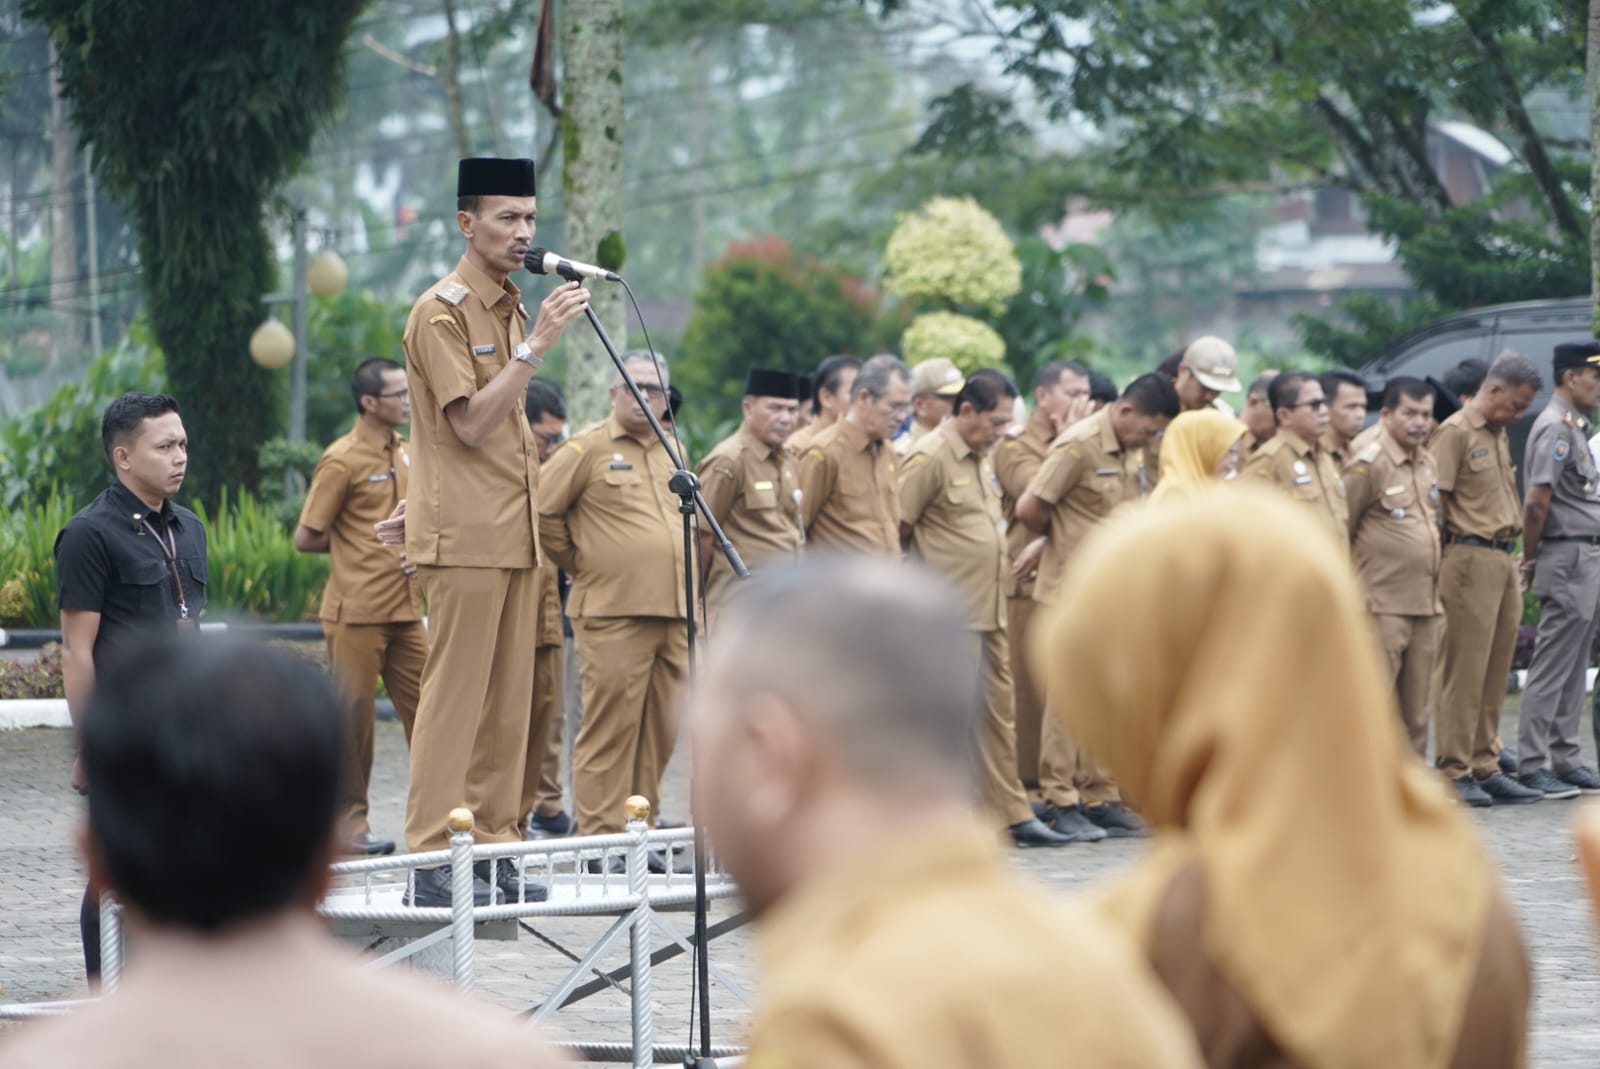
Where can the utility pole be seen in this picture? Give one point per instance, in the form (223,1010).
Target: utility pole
(297,301)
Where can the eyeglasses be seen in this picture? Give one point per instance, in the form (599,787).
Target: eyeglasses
(649,389)
(1321,402)
(397,393)
(900,409)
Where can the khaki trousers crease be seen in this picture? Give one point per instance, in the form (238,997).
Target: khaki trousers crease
(633,670)
(541,777)
(1046,759)
(1482,607)
(1003,797)
(1410,646)
(1550,717)
(469,746)
(358,655)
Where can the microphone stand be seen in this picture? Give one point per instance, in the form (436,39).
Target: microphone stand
(686,485)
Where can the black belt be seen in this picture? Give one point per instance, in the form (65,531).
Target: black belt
(1588,540)
(1486,543)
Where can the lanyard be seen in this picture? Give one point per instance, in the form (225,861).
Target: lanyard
(169,550)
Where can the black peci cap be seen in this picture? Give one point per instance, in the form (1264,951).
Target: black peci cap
(1576,354)
(1445,401)
(762,383)
(802,388)
(487,176)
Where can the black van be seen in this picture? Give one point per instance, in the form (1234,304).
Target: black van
(1532,328)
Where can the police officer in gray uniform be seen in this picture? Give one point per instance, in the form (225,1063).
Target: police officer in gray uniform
(1561,560)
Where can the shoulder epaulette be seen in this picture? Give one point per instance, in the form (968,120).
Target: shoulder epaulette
(1369,454)
(452,293)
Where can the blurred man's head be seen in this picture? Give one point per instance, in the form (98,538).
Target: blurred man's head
(1347,402)
(934,385)
(770,403)
(1257,414)
(1508,389)
(1466,378)
(1056,385)
(546,410)
(983,409)
(214,782)
(1299,405)
(1144,409)
(831,387)
(841,689)
(1408,411)
(652,382)
(1102,390)
(880,397)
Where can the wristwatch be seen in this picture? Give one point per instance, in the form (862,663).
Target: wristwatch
(524,354)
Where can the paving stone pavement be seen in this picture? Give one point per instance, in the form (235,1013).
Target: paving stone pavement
(41,882)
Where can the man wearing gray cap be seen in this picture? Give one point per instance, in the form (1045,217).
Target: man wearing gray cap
(1561,562)
(934,385)
(1202,372)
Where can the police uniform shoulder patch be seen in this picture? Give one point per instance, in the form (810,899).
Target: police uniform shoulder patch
(1563,449)
(452,292)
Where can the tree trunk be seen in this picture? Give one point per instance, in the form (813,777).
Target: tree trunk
(67,330)
(1593,70)
(591,156)
(452,81)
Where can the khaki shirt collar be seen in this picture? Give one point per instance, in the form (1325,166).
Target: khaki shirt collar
(1040,425)
(958,444)
(1473,418)
(615,430)
(854,436)
(1391,448)
(1108,435)
(485,288)
(377,440)
(755,445)
(1297,445)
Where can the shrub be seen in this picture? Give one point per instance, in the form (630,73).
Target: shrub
(949,252)
(254,569)
(38,678)
(27,560)
(970,343)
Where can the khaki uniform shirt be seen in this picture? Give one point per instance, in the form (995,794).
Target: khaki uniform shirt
(358,482)
(1342,454)
(1394,527)
(800,440)
(951,501)
(851,501)
(468,507)
(547,622)
(1016,461)
(1557,456)
(915,432)
(1473,466)
(608,519)
(1309,476)
(1084,476)
(750,488)
(1248,445)
(929,954)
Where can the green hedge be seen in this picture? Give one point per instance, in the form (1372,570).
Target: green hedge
(255,571)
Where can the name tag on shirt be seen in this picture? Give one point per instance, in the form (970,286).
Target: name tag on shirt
(377,478)
(1480,453)
(619,465)
(1394,489)
(1107,471)
(482,350)
(962,481)
(1302,480)
(764,484)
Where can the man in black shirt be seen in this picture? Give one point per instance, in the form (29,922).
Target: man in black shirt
(130,563)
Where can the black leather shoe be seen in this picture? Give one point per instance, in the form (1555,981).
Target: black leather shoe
(1545,782)
(505,881)
(431,889)
(557,827)
(1033,832)
(1503,790)
(1118,820)
(1069,820)
(612,864)
(370,845)
(1471,793)
(1508,762)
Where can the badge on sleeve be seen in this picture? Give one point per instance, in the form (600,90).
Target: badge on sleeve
(1299,468)
(1563,449)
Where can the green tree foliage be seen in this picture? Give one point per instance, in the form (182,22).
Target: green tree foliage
(761,305)
(196,113)
(1058,287)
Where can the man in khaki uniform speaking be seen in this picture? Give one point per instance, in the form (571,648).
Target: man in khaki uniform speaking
(371,610)
(1394,534)
(1045,762)
(608,518)
(1294,458)
(892,934)
(1561,562)
(750,485)
(1092,467)
(1478,582)
(470,522)
(950,520)
(849,497)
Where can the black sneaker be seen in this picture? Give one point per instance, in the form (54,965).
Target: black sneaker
(1471,793)
(1033,832)
(1069,820)
(557,827)
(1503,790)
(431,889)
(505,881)
(1545,782)
(1118,821)
(1508,762)
(1582,778)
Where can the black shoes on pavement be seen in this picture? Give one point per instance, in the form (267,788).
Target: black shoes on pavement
(1069,820)
(431,889)
(1545,782)
(505,881)
(1117,820)
(557,827)
(1027,834)
(369,845)
(1582,778)
(1503,790)
(1471,794)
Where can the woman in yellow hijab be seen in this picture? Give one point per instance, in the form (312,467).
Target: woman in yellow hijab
(1197,449)
(1313,898)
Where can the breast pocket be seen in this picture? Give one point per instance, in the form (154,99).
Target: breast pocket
(194,583)
(485,367)
(144,579)
(761,500)
(622,482)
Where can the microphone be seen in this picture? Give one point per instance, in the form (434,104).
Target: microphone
(545,262)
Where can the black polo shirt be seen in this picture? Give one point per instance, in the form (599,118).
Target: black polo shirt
(107,562)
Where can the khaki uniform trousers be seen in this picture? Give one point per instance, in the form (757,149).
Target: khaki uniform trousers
(1004,799)
(633,670)
(358,654)
(541,777)
(1046,759)
(1567,580)
(1410,646)
(470,743)
(1482,606)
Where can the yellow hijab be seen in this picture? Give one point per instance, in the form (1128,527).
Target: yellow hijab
(1215,655)
(1191,448)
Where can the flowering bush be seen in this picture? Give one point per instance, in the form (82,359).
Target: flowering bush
(951,251)
(969,342)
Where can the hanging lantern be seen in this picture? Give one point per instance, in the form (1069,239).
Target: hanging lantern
(272,345)
(327,273)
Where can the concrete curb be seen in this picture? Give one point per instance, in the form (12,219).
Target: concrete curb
(34,713)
